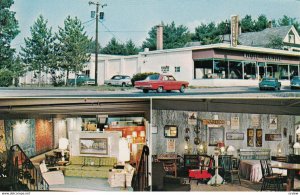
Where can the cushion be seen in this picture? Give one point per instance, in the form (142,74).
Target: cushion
(77,160)
(91,161)
(73,167)
(108,161)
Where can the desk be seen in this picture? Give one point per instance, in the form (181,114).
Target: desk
(291,169)
(169,162)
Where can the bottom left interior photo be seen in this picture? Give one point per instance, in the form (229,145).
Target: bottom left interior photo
(74,144)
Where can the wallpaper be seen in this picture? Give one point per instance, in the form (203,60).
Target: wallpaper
(21,132)
(43,135)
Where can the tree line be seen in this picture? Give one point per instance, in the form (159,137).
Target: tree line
(68,50)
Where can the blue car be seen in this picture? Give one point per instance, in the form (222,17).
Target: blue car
(295,82)
(269,83)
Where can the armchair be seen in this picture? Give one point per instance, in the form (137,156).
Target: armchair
(52,177)
(162,182)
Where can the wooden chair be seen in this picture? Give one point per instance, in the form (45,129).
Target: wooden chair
(228,170)
(270,181)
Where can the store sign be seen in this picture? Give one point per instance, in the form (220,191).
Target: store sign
(263,57)
(234,30)
(165,69)
(213,122)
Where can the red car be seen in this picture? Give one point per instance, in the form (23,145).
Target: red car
(161,82)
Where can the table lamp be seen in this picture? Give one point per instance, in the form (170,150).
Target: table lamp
(221,146)
(296,148)
(230,150)
(124,152)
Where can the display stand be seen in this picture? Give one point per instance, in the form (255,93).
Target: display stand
(216,180)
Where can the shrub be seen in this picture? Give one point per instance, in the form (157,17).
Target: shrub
(6,78)
(141,76)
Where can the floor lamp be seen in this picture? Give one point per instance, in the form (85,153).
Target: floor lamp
(216,180)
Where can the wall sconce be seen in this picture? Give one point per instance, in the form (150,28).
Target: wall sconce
(142,135)
(134,136)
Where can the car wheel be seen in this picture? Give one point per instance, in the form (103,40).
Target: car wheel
(168,91)
(278,89)
(160,89)
(123,84)
(108,83)
(260,88)
(182,89)
(292,87)
(145,90)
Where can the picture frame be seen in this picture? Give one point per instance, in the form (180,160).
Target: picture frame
(273,137)
(154,129)
(215,135)
(259,134)
(171,131)
(234,136)
(98,146)
(250,137)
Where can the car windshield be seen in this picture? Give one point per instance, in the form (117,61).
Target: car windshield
(152,77)
(115,77)
(296,78)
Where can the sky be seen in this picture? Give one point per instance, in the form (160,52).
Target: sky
(132,19)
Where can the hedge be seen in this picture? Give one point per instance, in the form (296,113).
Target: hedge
(6,78)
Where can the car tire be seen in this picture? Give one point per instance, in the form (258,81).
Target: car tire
(292,88)
(108,83)
(160,89)
(168,91)
(145,90)
(123,84)
(182,89)
(260,88)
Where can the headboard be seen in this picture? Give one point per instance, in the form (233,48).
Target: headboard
(254,154)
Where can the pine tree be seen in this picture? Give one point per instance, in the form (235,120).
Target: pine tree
(131,49)
(8,31)
(38,52)
(72,46)
(114,48)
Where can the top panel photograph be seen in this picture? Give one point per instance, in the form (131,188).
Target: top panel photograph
(150,48)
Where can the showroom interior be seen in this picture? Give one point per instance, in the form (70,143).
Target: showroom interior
(74,144)
(225,145)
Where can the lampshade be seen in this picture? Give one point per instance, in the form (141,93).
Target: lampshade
(124,152)
(134,134)
(142,134)
(201,147)
(296,145)
(220,144)
(230,149)
(298,130)
(63,143)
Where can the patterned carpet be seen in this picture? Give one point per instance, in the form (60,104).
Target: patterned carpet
(79,184)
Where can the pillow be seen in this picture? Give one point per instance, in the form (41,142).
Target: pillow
(43,168)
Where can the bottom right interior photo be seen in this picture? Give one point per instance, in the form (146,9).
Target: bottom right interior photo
(225,145)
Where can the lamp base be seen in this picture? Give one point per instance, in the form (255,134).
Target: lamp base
(216,180)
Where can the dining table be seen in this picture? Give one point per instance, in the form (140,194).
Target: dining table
(291,170)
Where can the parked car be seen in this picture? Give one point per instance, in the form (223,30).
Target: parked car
(269,83)
(160,83)
(295,82)
(120,80)
(82,80)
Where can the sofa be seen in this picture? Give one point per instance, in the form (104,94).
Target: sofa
(85,166)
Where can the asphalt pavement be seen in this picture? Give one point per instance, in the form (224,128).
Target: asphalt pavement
(220,92)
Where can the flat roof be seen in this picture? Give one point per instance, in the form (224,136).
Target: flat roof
(227,47)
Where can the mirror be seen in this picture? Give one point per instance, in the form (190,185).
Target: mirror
(171,131)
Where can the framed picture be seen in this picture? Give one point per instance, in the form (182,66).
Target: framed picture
(258,142)
(171,131)
(154,129)
(94,146)
(250,137)
(192,120)
(215,135)
(273,137)
(171,145)
(234,136)
(235,123)
(273,122)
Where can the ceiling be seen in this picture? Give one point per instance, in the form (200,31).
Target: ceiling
(23,108)
(256,106)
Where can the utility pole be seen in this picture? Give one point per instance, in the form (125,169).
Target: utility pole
(96,41)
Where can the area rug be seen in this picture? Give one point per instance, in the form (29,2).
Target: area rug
(79,184)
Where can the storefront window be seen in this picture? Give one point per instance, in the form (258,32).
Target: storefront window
(235,70)
(294,71)
(272,71)
(203,69)
(250,70)
(221,69)
(283,72)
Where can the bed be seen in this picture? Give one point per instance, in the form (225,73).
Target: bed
(250,168)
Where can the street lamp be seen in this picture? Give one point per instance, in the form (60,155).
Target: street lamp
(96,41)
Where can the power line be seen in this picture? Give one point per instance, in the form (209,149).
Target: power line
(110,32)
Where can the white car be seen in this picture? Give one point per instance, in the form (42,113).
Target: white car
(119,80)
